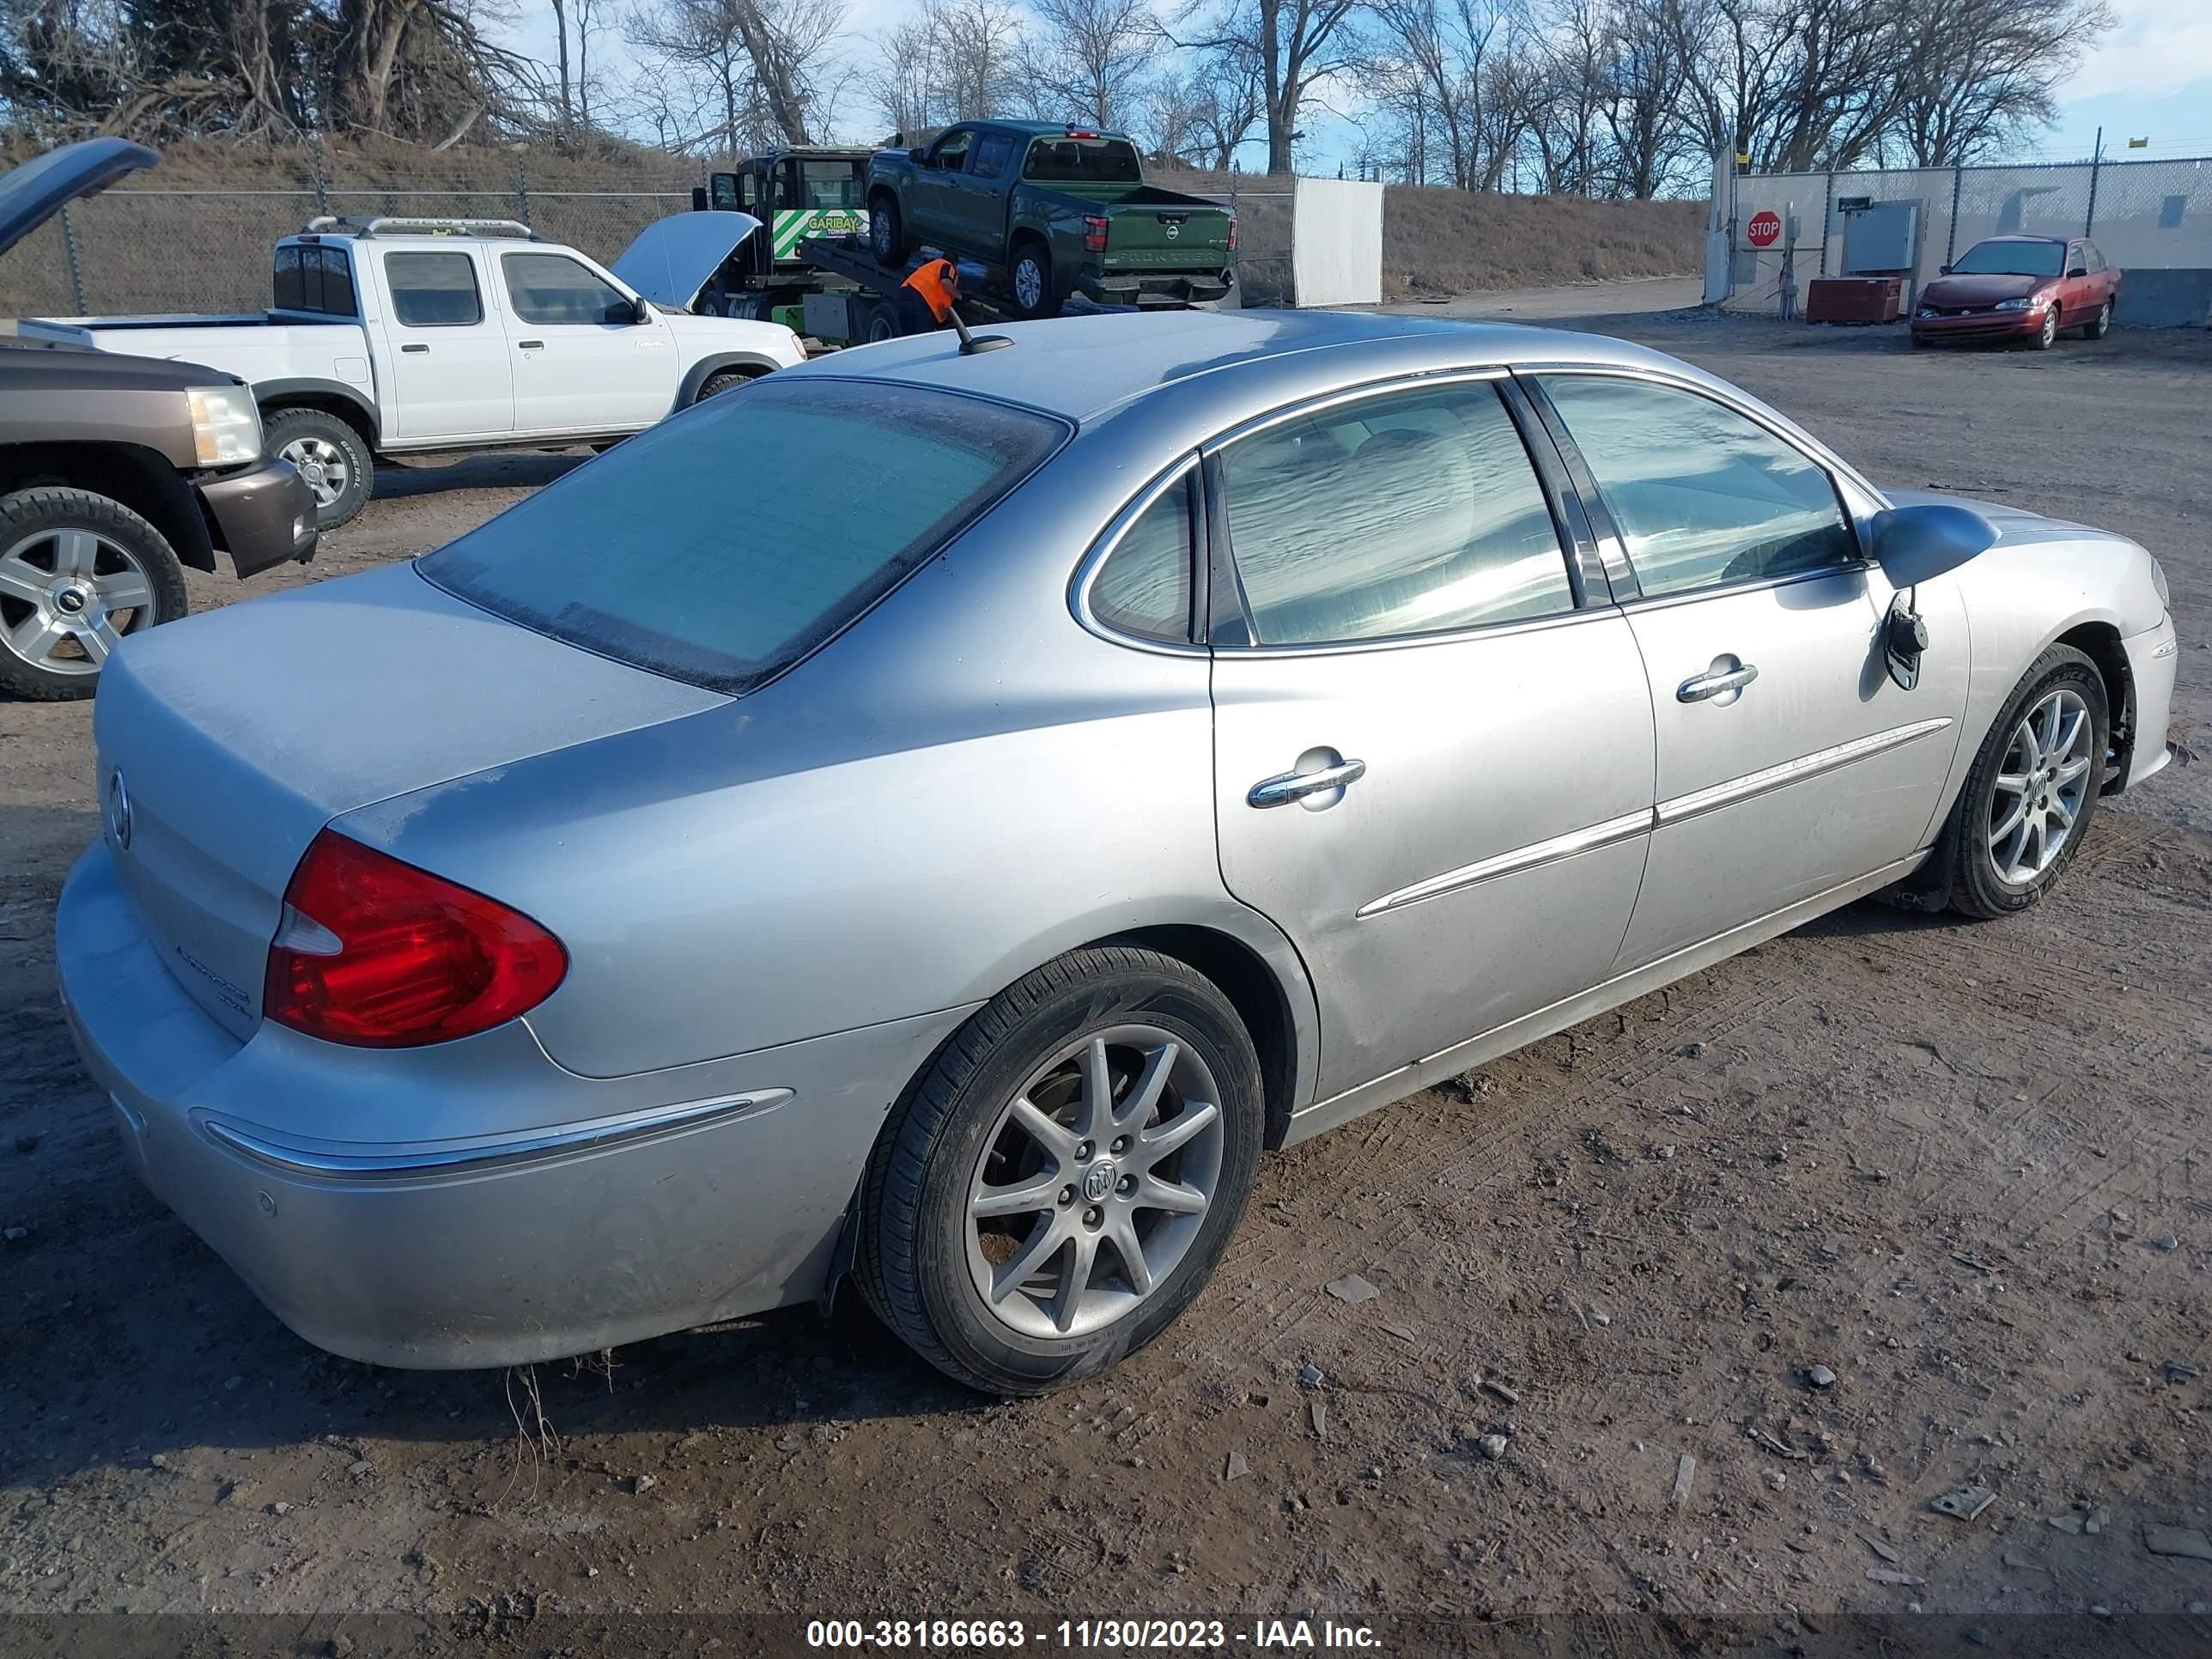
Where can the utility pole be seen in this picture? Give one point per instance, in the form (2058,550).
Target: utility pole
(2096,165)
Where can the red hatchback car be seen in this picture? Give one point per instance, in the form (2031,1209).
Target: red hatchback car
(2020,287)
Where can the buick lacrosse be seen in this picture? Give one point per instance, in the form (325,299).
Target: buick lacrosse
(1190,732)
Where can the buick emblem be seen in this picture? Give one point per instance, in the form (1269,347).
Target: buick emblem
(1098,1181)
(119,809)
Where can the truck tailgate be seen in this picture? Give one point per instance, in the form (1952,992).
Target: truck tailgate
(1179,233)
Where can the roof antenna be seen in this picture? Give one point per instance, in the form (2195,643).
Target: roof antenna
(972,344)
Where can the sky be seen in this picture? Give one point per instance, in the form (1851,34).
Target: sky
(2150,78)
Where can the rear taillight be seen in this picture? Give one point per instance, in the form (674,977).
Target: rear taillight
(378,954)
(1094,233)
(1232,233)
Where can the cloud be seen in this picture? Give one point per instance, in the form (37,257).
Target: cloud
(2160,47)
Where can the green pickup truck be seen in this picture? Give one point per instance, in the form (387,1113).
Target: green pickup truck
(1051,210)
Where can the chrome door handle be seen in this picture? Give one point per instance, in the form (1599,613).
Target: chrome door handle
(1287,787)
(1700,687)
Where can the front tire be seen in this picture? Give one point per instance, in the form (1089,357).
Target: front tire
(78,573)
(1030,278)
(727,379)
(2028,800)
(1054,1190)
(330,455)
(2047,337)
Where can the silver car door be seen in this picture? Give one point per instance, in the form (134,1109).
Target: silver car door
(1788,762)
(1433,744)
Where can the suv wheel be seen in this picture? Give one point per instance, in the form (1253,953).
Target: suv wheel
(886,237)
(1061,1182)
(331,456)
(78,573)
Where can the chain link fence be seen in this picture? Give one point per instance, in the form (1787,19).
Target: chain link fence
(2147,217)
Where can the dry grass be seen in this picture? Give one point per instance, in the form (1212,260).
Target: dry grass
(1449,241)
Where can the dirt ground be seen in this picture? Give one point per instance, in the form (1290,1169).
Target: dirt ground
(1967,1168)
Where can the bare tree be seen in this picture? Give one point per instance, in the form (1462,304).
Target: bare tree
(1296,45)
(766,67)
(1430,77)
(1978,73)
(1088,56)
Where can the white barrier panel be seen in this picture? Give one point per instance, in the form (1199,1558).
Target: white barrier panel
(1336,243)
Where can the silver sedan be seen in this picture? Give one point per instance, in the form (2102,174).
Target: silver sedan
(1118,755)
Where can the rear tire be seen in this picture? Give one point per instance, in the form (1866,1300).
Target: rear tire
(997,1201)
(71,564)
(1030,278)
(2029,799)
(332,457)
(886,233)
(2099,326)
(883,324)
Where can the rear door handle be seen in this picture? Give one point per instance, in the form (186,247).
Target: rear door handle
(1287,787)
(532,345)
(1716,681)
(414,348)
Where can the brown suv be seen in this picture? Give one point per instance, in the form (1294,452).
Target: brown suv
(116,472)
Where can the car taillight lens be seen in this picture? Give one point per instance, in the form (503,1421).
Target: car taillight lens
(1094,234)
(383,956)
(1232,236)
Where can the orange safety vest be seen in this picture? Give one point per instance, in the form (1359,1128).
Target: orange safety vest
(929,281)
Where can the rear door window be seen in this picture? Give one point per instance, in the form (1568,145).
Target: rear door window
(992,151)
(639,557)
(434,290)
(1143,587)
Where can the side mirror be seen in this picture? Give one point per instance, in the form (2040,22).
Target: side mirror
(2079,270)
(1918,544)
(919,157)
(1943,271)
(641,310)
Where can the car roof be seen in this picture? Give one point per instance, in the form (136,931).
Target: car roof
(1082,367)
(1042,129)
(2023,237)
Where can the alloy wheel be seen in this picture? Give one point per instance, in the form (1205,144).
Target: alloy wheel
(68,597)
(323,465)
(2050,325)
(1029,283)
(2045,778)
(1094,1181)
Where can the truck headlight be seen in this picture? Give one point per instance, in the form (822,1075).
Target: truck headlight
(226,425)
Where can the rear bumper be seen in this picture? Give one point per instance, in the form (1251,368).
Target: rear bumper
(630,1208)
(1125,287)
(2153,657)
(262,516)
(1987,325)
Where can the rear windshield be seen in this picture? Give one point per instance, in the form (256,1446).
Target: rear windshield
(1083,161)
(2012,260)
(721,547)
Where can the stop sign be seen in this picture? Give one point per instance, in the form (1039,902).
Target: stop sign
(1764,229)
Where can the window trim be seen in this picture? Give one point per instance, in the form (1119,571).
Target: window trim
(476,281)
(1615,546)
(1230,635)
(1183,471)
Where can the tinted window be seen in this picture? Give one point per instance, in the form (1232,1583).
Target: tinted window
(2011,259)
(434,290)
(1701,495)
(551,288)
(992,151)
(1083,161)
(1412,512)
(1144,587)
(640,557)
(312,277)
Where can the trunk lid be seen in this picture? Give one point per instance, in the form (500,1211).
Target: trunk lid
(33,192)
(1152,230)
(227,741)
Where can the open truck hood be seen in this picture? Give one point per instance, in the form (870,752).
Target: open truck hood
(40,188)
(673,259)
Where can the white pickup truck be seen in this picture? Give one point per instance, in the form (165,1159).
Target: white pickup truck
(393,336)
